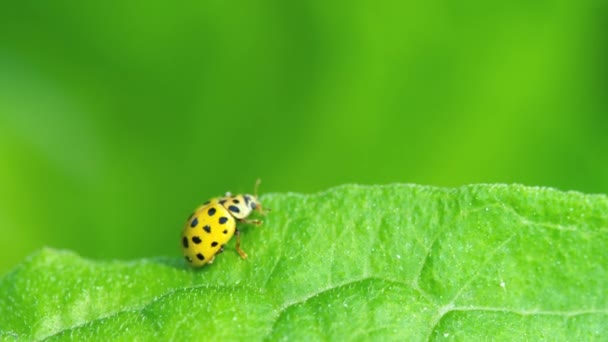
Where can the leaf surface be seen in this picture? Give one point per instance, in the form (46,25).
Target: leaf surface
(394,262)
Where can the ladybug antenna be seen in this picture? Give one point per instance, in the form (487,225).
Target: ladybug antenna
(255,193)
(255,188)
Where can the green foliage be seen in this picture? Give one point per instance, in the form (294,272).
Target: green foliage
(397,262)
(121,114)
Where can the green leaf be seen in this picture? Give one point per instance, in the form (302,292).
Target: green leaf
(396,262)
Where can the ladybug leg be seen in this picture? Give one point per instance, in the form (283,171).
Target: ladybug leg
(220,251)
(255,222)
(262,211)
(238,244)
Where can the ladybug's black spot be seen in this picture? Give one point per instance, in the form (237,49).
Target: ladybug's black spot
(222,202)
(236,201)
(207,229)
(196,239)
(207,202)
(188,258)
(225,231)
(185,242)
(211,211)
(223,220)
(194,222)
(213,244)
(253,205)
(199,256)
(234,209)
(247,199)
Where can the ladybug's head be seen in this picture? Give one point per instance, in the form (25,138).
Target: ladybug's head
(241,206)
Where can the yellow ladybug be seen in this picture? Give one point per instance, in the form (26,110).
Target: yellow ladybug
(213,224)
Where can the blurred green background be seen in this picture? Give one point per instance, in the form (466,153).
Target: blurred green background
(119,117)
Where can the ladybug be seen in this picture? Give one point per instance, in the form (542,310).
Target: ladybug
(214,223)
